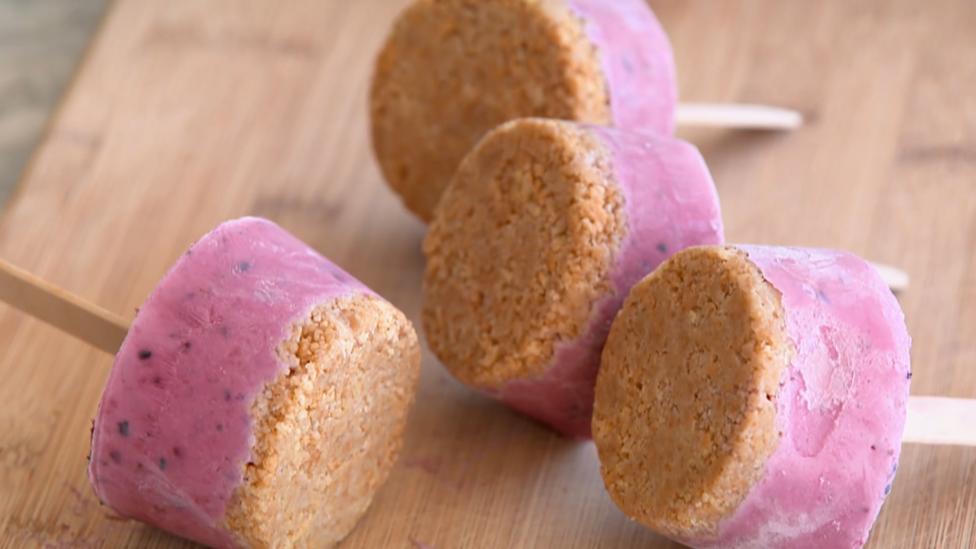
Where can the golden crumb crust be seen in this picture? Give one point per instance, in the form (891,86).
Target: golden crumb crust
(685,415)
(327,430)
(520,249)
(453,69)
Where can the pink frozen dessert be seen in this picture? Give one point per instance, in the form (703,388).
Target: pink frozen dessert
(451,70)
(754,397)
(259,397)
(537,241)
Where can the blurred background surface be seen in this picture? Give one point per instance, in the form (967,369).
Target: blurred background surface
(41,43)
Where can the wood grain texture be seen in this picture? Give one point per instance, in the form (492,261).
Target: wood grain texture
(187,113)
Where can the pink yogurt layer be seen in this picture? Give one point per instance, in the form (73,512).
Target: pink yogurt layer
(173,430)
(670,203)
(637,62)
(841,407)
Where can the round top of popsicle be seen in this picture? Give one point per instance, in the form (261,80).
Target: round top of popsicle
(754,396)
(205,429)
(684,415)
(520,248)
(451,70)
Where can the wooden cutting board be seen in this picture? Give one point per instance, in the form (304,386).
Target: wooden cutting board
(186,113)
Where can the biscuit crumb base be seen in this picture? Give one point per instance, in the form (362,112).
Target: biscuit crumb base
(685,412)
(328,430)
(520,250)
(451,70)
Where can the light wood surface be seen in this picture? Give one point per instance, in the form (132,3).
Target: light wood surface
(69,313)
(187,113)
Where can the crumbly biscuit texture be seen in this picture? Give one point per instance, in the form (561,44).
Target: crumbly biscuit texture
(685,413)
(451,70)
(328,430)
(520,250)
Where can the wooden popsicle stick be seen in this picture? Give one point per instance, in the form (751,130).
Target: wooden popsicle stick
(895,278)
(741,116)
(941,420)
(69,313)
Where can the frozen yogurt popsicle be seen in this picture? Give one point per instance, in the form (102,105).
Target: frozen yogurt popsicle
(451,70)
(537,241)
(259,396)
(754,397)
